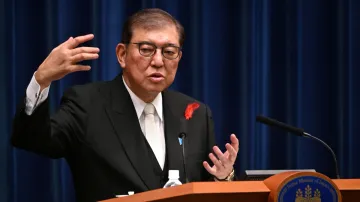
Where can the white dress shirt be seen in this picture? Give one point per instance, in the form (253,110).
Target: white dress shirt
(34,98)
(159,121)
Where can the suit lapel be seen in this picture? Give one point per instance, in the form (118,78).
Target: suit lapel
(173,127)
(125,121)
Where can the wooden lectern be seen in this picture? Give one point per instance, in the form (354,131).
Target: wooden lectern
(239,191)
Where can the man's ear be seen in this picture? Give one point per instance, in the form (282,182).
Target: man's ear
(121,54)
(180,54)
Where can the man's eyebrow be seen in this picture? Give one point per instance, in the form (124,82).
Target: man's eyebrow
(171,44)
(146,42)
(166,44)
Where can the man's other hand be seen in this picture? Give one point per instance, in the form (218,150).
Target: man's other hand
(223,162)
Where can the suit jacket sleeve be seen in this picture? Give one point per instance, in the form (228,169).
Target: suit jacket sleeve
(54,136)
(210,141)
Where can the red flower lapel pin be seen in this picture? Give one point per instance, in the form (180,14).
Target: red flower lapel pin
(190,110)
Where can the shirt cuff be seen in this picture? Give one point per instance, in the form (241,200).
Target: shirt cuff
(33,95)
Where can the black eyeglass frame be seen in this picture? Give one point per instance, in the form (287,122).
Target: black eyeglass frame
(155,49)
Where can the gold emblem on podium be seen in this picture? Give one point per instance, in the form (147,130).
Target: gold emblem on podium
(308,196)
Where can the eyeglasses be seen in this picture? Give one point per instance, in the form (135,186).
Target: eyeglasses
(147,49)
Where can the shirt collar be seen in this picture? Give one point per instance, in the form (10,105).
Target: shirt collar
(140,104)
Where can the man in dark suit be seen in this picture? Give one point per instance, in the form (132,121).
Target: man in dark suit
(122,135)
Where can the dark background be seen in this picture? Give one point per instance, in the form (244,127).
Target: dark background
(293,60)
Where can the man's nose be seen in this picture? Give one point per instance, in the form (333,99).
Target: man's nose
(157,59)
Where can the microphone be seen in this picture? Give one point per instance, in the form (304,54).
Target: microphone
(299,132)
(182,137)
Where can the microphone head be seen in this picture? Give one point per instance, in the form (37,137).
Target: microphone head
(182,135)
(273,122)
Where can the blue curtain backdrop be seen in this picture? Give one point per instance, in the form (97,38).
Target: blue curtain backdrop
(293,60)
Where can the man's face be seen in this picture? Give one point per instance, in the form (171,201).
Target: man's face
(149,75)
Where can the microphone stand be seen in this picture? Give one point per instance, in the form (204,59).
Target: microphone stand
(329,148)
(182,136)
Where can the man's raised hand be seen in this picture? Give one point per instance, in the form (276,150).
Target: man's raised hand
(64,58)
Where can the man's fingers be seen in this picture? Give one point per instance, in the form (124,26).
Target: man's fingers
(84,56)
(77,68)
(232,153)
(74,42)
(234,142)
(211,170)
(227,154)
(215,161)
(85,50)
(224,161)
